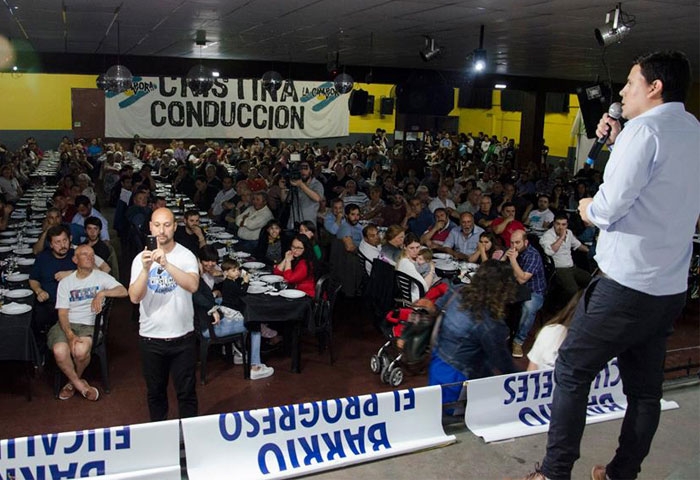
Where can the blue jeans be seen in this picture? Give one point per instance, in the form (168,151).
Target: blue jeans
(527,316)
(228,326)
(611,321)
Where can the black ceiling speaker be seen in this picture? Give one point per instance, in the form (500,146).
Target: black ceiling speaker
(425,93)
(358,102)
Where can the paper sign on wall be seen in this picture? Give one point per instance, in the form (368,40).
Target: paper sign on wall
(165,107)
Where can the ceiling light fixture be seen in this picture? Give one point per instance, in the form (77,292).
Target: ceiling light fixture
(617,26)
(431,50)
(500,86)
(479,55)
(118,78)
(200,79)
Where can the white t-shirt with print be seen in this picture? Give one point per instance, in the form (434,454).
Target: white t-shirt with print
(166,310)
(76,294)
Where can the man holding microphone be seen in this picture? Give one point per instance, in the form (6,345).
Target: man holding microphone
(650,188)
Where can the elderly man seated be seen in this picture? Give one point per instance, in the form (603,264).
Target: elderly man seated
(79,299)
(463,241)
(252,220)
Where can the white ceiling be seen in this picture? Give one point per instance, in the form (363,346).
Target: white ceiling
(536,38)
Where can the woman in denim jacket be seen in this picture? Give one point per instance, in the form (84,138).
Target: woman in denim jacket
(472,340)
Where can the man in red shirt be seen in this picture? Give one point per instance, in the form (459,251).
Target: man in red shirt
(506,224)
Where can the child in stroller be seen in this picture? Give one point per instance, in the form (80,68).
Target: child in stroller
(409,343)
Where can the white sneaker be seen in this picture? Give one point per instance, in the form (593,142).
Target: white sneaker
(261,371)
(237,357)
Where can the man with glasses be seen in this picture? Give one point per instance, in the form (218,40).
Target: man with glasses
(305,196)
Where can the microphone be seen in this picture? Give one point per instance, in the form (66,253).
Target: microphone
(615,112)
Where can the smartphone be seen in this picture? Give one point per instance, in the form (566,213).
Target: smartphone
(151,242)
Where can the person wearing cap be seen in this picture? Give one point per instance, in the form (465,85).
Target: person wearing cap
(306,194)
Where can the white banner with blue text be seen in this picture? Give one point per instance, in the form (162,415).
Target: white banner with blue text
(284,442)
(519,404)
(149,450)
(165,107)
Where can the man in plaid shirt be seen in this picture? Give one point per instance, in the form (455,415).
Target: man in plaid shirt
(528,270)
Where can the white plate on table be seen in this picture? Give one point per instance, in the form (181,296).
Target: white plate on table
(19,293)
(442,256)
(291,293)
(25,261)
(257,283)
(254,290)
(446,265)
(30,240)
(33,231)
(18,277)
(241,254)
(22,251)
(217,229)
(6,248)
(15,308)
(253,265)
(223,235)
(8,233)
(272,278)
(8,241)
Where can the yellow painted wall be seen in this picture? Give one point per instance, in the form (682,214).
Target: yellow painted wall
(370,123)
(494,121)
(38,101)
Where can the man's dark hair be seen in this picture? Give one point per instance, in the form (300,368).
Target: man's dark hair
(208,253)
(191,213)
(561,216)
(94,221)
(541,195)
(507,204)
(56,231)
(82,201)
(671,68)
(350,207)
(201,178)
(366,230)
(439,209)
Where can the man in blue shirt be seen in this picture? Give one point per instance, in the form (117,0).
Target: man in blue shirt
(462,242)
(529,271)
(649,189)
(350,232)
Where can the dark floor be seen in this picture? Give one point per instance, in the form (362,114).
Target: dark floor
(355,341)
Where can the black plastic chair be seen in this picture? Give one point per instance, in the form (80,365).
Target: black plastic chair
(203,323)
(404,287)
(99,348)
(326,294)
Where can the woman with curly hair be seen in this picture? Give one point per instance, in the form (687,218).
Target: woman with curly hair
(473,335)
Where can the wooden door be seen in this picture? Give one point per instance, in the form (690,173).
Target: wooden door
(88,113)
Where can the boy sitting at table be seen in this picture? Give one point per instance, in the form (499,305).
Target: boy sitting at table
(233,288)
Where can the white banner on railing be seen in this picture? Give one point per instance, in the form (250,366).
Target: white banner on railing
(149,450)
(516,405)
(284,442)
(164,107)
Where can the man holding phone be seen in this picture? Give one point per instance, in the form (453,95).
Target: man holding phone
(162,281)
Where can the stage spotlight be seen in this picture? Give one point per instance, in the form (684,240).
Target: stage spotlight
(431,51)
(479,59)
(617,25)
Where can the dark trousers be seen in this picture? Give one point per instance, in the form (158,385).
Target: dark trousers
(160,359)
(572,280)
(611,321)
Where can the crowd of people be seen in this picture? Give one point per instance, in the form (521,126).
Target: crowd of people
(287,203)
